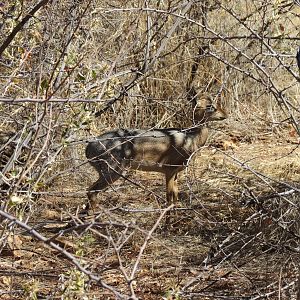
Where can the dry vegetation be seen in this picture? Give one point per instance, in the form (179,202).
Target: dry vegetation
(70,70)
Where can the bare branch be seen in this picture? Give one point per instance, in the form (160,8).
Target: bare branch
(20,26)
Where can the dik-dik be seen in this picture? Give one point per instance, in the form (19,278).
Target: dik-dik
(160,150)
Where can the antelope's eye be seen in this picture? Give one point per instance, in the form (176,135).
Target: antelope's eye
(210,108)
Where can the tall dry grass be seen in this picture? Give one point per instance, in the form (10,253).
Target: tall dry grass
(131,63)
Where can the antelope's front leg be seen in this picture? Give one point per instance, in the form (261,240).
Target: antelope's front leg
(172,188)
(172,192)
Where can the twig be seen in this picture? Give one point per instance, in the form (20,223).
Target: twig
(62,251)
(20,26)
(142,249)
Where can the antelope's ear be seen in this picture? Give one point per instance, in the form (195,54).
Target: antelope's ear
(217,101)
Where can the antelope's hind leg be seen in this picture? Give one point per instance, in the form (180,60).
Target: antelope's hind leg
(107,176)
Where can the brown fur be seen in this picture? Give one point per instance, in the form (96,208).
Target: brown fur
(160,150)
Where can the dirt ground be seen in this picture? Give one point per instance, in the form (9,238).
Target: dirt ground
(230,236)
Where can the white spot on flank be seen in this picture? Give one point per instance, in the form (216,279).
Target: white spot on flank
(179,138)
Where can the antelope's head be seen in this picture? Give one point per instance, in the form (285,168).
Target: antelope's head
(205,110)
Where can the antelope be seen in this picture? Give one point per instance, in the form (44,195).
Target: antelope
(159,150)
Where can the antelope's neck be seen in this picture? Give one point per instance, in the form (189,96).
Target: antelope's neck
(200,135)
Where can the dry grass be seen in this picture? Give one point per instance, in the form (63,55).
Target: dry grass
(229,215)
(173,258)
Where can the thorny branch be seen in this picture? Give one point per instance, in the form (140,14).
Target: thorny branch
(55,246)
(20,25)
(135,58)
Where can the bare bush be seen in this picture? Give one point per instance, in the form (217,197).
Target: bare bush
(70,70)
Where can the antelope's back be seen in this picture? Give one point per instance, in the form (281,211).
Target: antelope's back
(140,144)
